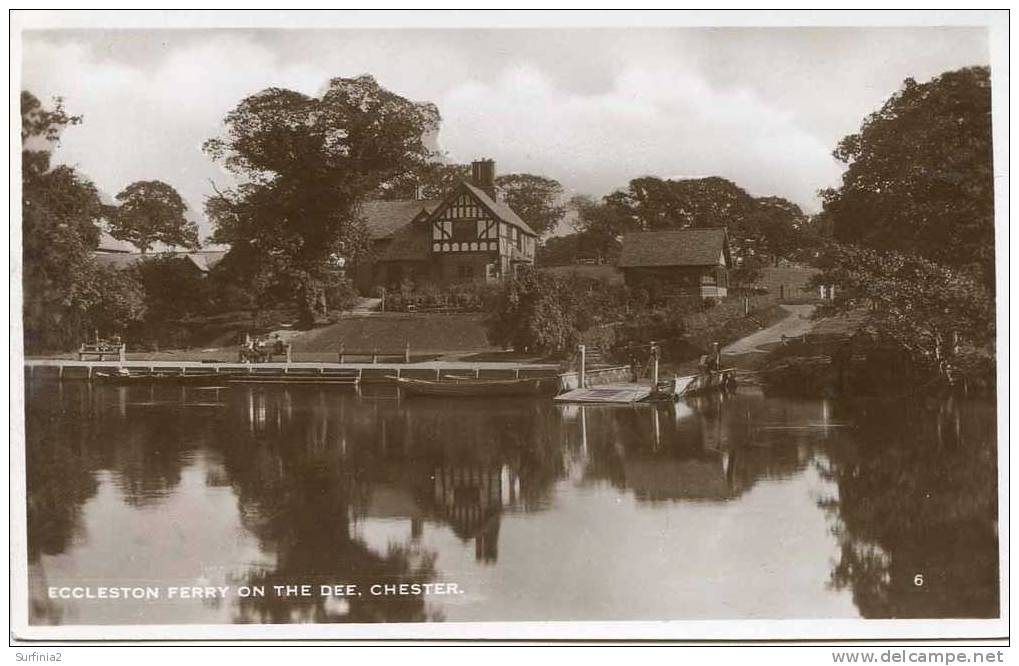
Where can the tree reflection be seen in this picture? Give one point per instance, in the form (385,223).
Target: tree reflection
(918,496)
(298,474)
(712,448)
(59,466)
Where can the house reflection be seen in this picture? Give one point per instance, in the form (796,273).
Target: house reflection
(471,500)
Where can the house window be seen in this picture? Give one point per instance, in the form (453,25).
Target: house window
(466,230)
(707,278)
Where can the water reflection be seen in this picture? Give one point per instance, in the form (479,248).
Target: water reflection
(541,511)
(917,496)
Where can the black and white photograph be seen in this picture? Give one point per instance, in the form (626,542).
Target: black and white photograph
(410,325)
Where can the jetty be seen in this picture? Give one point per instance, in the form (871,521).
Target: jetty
(290,373)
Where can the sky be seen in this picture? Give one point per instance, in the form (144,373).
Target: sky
(592,108)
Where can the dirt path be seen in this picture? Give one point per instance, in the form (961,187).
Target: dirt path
(797,323)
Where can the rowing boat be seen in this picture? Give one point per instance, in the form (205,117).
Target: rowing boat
(469,386)
(207,379)
(705,382)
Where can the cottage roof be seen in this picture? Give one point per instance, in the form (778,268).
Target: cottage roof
(411,242)
(499,209)
(682,247)
(385,218)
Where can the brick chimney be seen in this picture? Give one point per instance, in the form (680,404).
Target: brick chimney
(483,176)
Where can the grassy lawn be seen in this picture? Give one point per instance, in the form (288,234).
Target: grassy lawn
(427,334)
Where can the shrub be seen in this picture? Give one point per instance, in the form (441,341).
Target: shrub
(534,312)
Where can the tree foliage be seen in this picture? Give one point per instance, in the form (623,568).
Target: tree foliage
(920,175)
(66,295)
(766,225)
(536,199)
(151,211)
(922,306)
(431,180)
(307,162)
(535,312)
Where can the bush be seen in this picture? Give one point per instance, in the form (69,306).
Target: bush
(534,312)
(686,329)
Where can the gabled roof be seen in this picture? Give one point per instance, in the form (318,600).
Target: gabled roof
(682,247)
(384,218)
(498,208)
(412,242)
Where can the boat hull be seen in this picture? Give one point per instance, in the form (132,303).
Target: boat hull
(717,380)
(478,387)
(162,378)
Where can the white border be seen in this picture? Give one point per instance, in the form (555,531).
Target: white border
(742,630)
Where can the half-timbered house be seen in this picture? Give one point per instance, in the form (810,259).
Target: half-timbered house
(468,235)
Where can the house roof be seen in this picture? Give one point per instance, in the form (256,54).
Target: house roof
(392,221)
(682,247)
(499,209)
(411,242)
(385,218)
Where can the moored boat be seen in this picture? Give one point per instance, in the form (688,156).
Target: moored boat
(705,382)
(206,379)
(469,386)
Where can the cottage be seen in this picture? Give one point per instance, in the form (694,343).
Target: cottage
(684,262)
(468,235)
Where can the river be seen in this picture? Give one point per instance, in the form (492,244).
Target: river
(738,506)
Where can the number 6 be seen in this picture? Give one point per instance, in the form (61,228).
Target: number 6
(918,580)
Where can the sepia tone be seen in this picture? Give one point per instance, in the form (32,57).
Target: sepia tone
(345,345)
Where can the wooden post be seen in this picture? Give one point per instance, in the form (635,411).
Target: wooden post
(581,373)
(289,346)
(746,306)
(654,366)
(375,355)
(406,353)
(341,352)
(123,354)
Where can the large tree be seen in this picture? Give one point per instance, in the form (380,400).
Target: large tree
(768,226)
(536,199)
(307,162)
(920,175)
(151,211)
(431,180)
(66,295)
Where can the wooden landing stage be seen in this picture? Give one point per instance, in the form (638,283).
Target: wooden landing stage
(608,393)
(290,373)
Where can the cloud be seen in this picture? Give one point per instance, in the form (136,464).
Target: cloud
(654,120)
(592,108)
